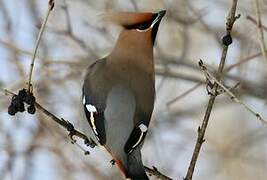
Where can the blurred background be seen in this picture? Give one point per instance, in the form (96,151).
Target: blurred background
(33,147)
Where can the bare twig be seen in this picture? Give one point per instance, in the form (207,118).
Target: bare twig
(66,124)
(233,97)
(156,173)
(184,94)
(242,61)
(227,40)
(50,8)
(253,20)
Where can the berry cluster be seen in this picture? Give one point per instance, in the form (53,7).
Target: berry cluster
(17,103)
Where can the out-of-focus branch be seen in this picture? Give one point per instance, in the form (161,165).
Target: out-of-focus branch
(252,19)
(242,61)
(260,31)
(184,94)
(227,40)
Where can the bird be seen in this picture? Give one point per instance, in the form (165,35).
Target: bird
(118,92)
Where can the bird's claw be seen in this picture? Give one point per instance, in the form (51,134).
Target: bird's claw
(90,143)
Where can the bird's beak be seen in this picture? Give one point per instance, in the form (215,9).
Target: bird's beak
(158,18)
(155,24)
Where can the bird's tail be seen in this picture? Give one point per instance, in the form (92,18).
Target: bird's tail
(135,169)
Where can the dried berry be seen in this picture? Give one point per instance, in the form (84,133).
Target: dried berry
(16,102)
(30,99)
(31,109)
(22,94)
(21,107)
(227,40)
(12,110)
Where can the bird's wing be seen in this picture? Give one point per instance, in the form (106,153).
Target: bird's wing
(94,101)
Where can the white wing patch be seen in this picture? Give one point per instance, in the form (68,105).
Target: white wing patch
(92,109)
(143,129)
(84,101)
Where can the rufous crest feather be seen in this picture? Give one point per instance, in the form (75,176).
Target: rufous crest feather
(126,18)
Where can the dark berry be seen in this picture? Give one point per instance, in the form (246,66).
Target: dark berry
(21,107)
(12,110)
(227,40)
(16,102)
(22,94)
(31,109)
(30,99)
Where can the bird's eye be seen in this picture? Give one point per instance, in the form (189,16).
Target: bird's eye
(144,26)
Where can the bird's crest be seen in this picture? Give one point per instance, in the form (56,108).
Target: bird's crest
(127,18)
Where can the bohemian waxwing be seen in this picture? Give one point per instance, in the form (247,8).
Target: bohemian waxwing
(118,91)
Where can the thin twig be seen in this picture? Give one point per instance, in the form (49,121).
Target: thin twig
(253,20)
(242,61)
(50,8)
(156,173)
(201,130)
(233,97)
(184,93)
(260,30)
(60,121)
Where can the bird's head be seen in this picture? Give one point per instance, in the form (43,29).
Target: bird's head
(137,26)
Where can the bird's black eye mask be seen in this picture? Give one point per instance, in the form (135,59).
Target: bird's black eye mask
(142,26)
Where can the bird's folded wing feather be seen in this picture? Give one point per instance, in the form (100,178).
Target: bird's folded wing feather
(94,106)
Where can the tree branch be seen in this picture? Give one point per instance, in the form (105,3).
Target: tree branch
(227,40)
